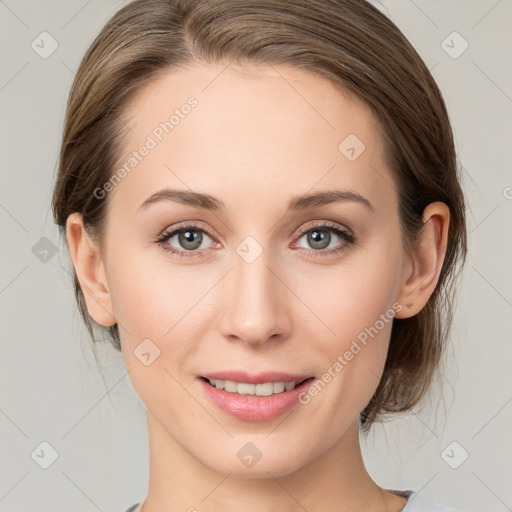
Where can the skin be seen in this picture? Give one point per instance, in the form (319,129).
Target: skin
(253,142)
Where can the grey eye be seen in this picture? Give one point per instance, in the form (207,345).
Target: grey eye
(188,239)
(320,239)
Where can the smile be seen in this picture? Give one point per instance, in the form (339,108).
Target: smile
(245,388)
(254,398)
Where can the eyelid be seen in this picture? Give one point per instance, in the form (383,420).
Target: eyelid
(193,224)
(302,230)
(325,224)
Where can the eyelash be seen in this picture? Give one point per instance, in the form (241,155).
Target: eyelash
(345,235)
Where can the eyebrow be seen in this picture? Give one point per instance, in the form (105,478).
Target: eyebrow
(209,202)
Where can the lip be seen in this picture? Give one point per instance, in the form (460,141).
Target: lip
(250,407)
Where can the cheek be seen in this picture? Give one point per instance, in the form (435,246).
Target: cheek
(355,302)
(163,302)
(351,297)
(156,304)
(150,296)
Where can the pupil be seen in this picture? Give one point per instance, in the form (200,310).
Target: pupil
(319,237)
(190,237)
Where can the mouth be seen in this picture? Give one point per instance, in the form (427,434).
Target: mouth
(254,398)
(246,388)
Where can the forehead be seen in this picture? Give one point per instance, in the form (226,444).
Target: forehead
(258,129)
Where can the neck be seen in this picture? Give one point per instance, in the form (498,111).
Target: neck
(335,480)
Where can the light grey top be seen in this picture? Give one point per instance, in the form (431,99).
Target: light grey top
(415,503)
(418,503)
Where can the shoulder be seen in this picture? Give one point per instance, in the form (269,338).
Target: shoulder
(418,503)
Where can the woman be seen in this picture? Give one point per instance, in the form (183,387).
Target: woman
(262,207)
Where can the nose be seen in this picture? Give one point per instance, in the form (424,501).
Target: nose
(255,302)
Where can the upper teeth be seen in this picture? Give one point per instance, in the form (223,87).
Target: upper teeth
(243,388)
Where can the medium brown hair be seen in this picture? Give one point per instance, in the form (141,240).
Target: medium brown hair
(348,42)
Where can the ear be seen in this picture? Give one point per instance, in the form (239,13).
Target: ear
(421,274)
(90,271)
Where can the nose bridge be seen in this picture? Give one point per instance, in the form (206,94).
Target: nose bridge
(254,309)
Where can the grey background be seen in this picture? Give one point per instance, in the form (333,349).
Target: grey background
(51,389)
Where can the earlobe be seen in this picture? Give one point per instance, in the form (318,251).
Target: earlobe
(420,278)
(90,271)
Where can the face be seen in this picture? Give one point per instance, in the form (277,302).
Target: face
(253,284)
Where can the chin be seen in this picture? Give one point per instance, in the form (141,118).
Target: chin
(276,463)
